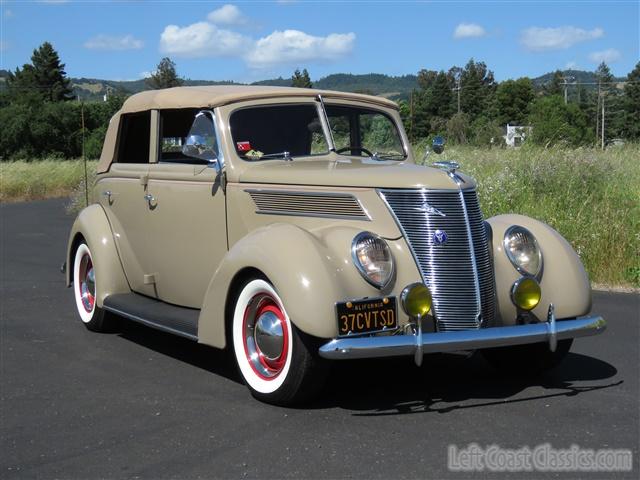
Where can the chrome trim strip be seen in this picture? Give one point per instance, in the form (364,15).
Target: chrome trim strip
(474,266)
(405,345)
(149,323)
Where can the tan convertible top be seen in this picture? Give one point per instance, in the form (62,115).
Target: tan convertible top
(212,96)
(217,95)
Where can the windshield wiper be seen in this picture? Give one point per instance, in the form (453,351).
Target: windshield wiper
(284,155)
(390,155)
(257,155)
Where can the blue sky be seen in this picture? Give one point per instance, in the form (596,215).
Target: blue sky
(253,40)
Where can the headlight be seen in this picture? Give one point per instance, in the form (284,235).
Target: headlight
(522,249)
(372,257)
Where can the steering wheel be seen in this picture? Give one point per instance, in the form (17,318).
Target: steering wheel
(359,149)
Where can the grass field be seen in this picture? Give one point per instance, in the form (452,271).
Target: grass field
(591,197)
(20,180)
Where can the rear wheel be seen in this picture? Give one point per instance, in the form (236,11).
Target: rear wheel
(530,359)
(84,286)
(277,362)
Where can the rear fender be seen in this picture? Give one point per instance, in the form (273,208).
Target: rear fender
(92,225)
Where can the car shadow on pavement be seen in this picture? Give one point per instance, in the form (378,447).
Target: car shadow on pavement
(448,382)
(201,356)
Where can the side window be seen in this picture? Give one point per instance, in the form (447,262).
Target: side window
(133,146)
(187,136)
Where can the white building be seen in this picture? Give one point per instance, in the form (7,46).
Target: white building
(515,135)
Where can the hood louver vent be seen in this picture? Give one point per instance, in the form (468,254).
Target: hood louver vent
(309,204)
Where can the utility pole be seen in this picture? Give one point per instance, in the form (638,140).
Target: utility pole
(565,80)
(458,89)
(598,111)
(602,138)
(411,115)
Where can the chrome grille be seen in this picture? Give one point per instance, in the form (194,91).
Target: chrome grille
(459,273)
(313,204)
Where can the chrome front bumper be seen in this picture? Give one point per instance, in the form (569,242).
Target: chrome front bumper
(419,343)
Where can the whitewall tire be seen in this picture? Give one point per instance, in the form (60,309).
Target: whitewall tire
(272,356)
(85,288)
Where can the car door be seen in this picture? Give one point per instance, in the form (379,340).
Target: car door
(122,193)
(187,221)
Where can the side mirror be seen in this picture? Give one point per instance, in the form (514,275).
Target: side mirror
(438,144)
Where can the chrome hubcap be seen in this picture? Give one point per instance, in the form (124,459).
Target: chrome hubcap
(87,283)
(265,336)
(269,335)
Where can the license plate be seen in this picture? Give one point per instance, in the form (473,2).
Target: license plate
(366,316)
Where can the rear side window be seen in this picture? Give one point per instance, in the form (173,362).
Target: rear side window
(133,146)
(174,131)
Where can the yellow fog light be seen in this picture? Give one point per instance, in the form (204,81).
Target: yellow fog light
(525,293)
(416,300)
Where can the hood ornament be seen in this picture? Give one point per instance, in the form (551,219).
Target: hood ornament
(451,168)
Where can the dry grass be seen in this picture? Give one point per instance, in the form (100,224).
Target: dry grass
(21,181)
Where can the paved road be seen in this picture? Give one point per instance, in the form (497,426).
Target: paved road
(140,403)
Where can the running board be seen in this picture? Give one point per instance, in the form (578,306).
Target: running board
(155,314)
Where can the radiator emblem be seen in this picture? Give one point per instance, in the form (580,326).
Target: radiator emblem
(429,209)
(440,237)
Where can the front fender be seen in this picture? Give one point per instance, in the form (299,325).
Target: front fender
(92,225)
(564,281)
(308,275)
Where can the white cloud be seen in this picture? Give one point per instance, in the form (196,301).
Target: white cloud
(607,56)
(227,15)
(469,30)
(294,46)
(572,65)
(202,39)
(109,42)
(538,38)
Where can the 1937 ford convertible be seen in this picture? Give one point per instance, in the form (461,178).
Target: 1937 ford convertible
(295,228)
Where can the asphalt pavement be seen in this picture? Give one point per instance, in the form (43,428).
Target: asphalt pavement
(144,404)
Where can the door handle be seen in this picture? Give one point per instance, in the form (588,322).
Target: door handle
(107,194)
(150,199)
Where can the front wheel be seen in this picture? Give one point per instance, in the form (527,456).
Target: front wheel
(530,359)
(84,286)
(276,360)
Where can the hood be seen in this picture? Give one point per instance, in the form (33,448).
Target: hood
(351,172)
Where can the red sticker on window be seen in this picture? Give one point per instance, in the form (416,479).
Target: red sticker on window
(243,146)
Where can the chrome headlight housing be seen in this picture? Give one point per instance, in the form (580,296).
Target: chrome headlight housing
(522,249)
(372,257)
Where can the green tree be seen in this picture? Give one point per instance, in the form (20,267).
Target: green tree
(301,80)
(554,87)
(512,100)
(43,79)
(632,104)
(555,122)
(477,87)
(459,129)
(165,76)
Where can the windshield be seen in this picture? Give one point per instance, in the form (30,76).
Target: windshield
(278,131)
(364,132)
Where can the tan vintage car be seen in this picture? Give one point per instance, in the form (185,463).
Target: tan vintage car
(295,228)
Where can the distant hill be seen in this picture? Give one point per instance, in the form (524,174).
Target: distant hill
(393,87)
(588,78)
